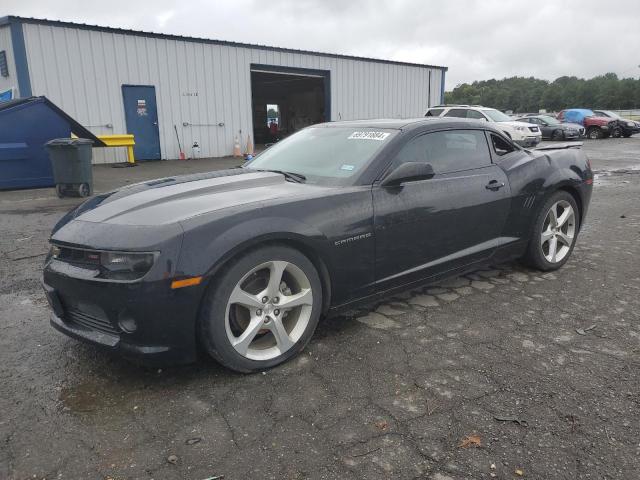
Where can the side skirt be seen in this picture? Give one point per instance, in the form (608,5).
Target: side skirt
(503,254)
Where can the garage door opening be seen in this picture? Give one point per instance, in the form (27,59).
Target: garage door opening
(285,100)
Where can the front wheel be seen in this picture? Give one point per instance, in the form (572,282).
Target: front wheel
(594,133)
(558,135)
(554,233)
(262,310)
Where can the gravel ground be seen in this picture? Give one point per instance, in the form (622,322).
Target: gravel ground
(504,373)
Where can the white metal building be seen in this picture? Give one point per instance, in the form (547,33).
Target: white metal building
(167,88)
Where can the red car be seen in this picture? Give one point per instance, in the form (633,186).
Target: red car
(595,126)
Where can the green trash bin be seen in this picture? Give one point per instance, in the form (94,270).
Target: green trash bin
(71,165)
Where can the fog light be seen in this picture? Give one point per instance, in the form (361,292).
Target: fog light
(128,324)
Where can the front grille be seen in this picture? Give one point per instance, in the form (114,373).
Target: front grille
(91,322)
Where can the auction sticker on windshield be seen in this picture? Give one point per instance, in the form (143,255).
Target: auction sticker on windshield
(380,136)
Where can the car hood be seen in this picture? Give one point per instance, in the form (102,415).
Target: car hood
(515,124)
(566,126)
(174,199)
(600,120)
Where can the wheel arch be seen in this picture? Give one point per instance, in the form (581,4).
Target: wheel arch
(295,241)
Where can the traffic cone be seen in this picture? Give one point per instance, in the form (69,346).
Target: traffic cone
(236,147)
(249,145)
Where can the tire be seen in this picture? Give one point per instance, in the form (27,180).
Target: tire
(59,190)
(272,333)
(594,133)
(539,251)
(617,133)
(557,135)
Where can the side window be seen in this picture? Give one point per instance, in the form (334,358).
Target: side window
(475,115)
(500,145)
(434,112)
(449,151)
(533,120)
(456,112)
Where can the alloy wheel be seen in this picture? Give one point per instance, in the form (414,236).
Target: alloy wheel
(269,310)
(558,231)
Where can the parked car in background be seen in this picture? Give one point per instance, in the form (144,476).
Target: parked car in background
(625,127)
(523,135)
(553,128)
(595,126)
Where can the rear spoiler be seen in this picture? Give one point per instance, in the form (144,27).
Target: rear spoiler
(560,146)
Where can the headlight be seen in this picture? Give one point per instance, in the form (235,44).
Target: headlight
(630,124)
(521,129)
(123,266)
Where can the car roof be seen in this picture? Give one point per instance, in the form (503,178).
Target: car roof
(410,123)
(463,107)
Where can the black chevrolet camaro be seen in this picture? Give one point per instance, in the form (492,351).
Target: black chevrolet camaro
(244,262)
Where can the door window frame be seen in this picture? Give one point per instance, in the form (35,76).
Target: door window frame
(388,167)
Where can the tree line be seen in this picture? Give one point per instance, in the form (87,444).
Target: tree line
(521,94)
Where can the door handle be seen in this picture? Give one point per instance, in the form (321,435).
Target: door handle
(494,185)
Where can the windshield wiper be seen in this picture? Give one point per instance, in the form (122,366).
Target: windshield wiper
(296,177)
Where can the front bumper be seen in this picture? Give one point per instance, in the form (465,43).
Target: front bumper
(627,130)
(572,135)
(529,141)
(102,313)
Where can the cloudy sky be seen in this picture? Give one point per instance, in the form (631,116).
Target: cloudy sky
(476,39)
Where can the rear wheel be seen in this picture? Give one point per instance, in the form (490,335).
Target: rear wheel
(262,310)
(84,190)
(594,133)
(554,233)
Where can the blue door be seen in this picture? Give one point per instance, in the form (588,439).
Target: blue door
(141,114)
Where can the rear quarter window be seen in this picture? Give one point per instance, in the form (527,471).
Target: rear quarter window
(434,112)
(500,146)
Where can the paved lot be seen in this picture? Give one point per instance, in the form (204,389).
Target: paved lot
(489,375)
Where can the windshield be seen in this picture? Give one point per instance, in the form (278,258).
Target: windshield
(609,113)
(325,155)
(496,115)
(550,120)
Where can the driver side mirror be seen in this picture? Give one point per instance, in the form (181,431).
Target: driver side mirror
(408,172)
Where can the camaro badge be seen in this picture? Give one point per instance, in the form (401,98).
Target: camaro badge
(344,241)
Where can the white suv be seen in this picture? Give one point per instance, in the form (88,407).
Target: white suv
(524,135)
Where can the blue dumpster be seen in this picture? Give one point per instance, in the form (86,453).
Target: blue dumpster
(26,124)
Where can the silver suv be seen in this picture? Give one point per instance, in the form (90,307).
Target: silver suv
(522,134)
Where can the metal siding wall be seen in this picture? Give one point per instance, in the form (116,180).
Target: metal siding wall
(83,71)
(5,44)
